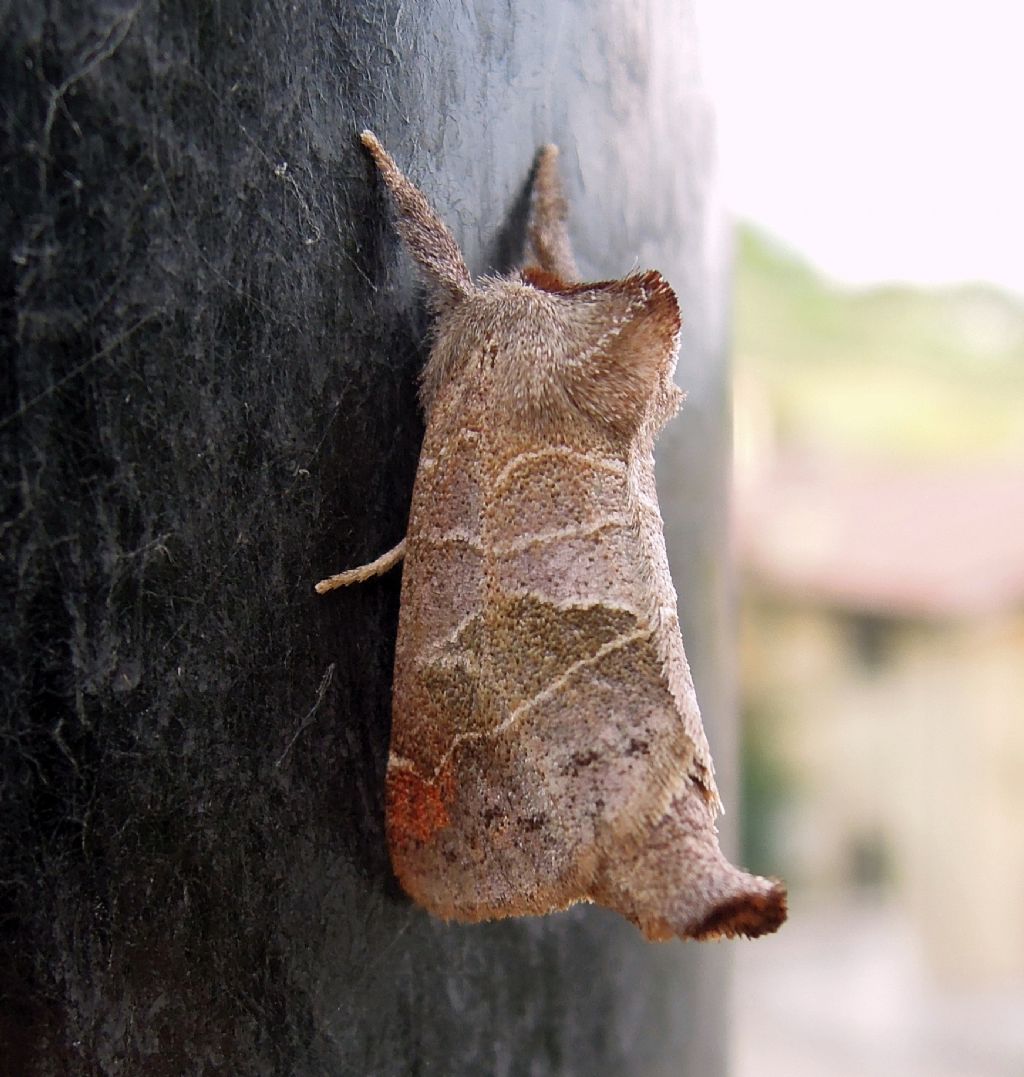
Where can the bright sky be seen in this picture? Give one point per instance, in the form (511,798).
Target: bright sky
(883,139)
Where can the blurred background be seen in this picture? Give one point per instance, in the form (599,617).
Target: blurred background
(872,159)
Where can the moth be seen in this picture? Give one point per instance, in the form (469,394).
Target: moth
(546,743)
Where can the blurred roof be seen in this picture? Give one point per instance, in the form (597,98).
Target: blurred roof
(906,543)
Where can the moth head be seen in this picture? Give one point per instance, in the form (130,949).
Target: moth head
(616,353)
(562,355)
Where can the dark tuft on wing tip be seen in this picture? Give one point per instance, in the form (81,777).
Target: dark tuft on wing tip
(749,915)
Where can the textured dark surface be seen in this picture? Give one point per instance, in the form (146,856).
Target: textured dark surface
(211,339)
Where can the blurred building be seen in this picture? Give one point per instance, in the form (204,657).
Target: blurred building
(883,642)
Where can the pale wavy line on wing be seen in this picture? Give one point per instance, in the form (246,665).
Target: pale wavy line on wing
(463,536)
(610,464)
(555,534)
(516,715)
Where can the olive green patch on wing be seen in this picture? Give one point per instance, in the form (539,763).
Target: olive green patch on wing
(531,642)
(441,696)
(432,705)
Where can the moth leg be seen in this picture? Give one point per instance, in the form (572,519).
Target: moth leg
(547,231)
(384,563)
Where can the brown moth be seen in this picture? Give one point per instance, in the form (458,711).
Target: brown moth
(546,744)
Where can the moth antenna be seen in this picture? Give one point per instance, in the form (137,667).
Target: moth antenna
(425,234)
(548,231)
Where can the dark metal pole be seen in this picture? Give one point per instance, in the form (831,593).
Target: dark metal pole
(209,402)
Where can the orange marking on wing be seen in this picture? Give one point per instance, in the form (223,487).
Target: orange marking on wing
(417,807)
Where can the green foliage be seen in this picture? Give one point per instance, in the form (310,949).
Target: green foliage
(891,371)
(766,789)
